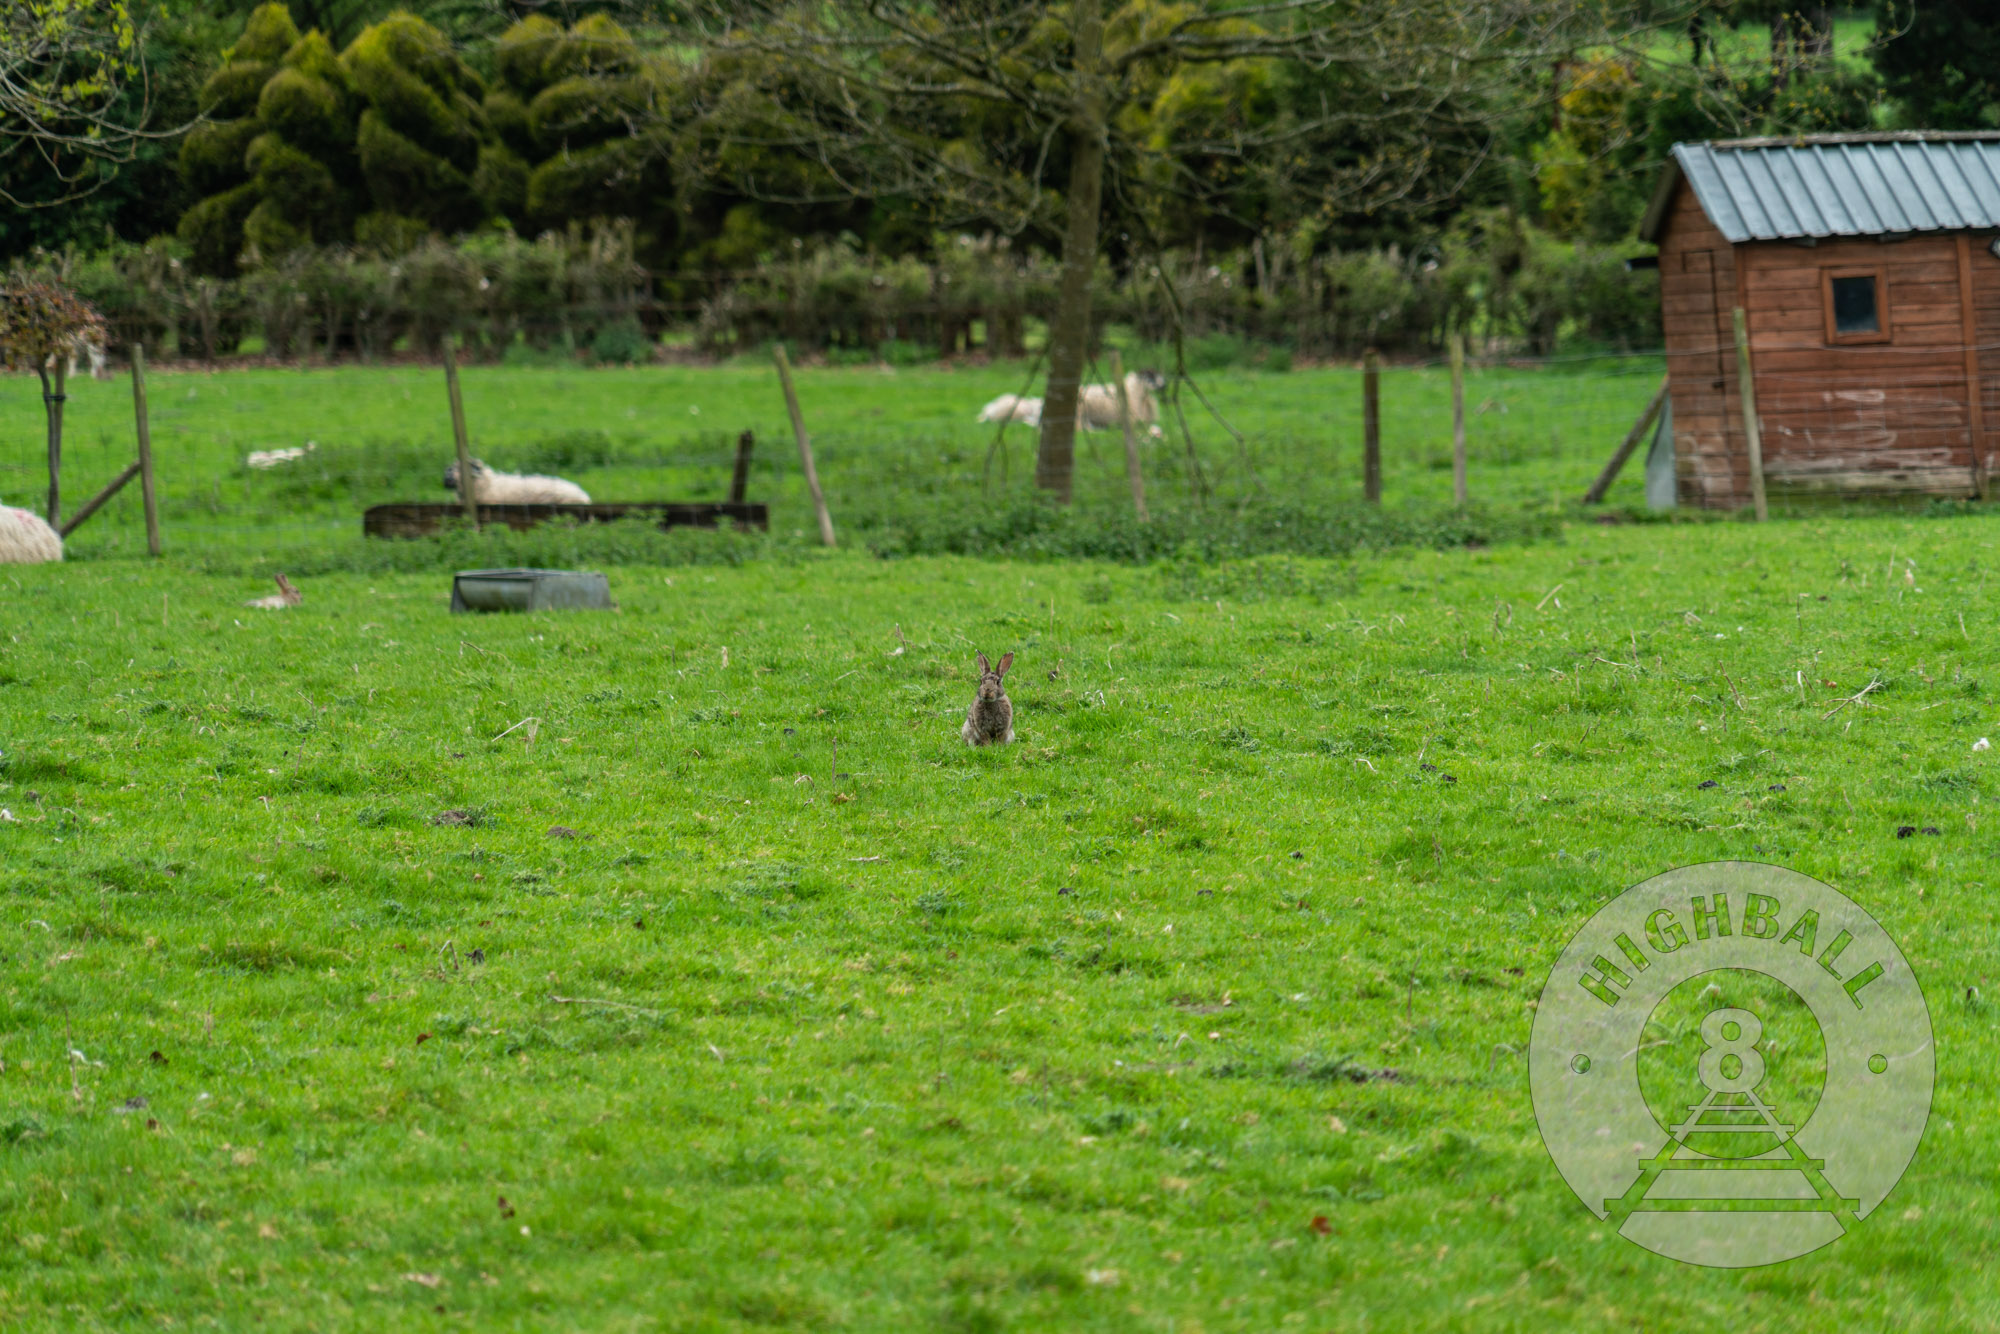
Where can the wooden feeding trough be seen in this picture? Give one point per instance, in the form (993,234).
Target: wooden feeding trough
(424,520)
(530,590)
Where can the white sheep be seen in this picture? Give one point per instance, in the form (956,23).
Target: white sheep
(26,540)
(100,365)
(1013,408)
(1097,407)
(508,488)
(266,459)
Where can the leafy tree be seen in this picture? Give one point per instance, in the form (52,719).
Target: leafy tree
(1053,119)
(215,155)
(583,125)
(420,137)
(41,325)
(64,65)
(1618,117)
(1940,61)
(301,146)
(135,193)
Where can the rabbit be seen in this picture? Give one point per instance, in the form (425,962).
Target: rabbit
(990,720)
(286,596)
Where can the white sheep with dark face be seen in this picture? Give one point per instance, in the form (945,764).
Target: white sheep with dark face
(26,539)
(508,488)
(1096,405)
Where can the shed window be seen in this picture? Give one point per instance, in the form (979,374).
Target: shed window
(1857,310)
(1854,305)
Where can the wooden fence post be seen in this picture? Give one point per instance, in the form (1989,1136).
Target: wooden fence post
(739,481)
(466,496)
(52,405)
(1753,431)
(1458,486)
(1975,390)
(145,427)
(1131,437)
(805,443)
(1371,427)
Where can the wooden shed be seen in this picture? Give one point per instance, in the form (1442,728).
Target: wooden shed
(1868,271)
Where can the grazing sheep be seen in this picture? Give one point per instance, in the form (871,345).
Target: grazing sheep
(286,596)
(1013,408)
(87,347)
(100,366)
(1097,408)
(507,488)
(1096,405)
(26,540)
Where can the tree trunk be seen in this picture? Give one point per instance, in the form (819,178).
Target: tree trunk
(1069,334)
(1784,54)
(1816,41)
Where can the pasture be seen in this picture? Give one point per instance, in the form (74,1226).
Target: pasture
(891,444)
(676,968)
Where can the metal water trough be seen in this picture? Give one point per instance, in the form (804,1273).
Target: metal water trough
(530,590)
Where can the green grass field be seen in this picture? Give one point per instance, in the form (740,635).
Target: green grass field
(822,1020)
(888,442)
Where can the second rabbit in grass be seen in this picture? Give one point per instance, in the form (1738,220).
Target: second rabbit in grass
(990,720)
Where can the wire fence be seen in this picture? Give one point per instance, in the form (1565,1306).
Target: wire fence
(273,460)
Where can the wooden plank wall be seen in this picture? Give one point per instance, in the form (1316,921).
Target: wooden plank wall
(1867,418)
(1871,418)
(1697,293)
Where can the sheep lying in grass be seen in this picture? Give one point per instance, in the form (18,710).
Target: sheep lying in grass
(1013,408)
(508,488)
(265,459)
(26,540)
(1096,406)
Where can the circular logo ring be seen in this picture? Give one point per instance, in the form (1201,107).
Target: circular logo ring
(1732,1063)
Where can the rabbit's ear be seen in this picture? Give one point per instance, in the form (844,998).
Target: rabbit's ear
(1006,661)
(984,666)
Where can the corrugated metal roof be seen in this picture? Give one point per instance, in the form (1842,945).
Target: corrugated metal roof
(1837,185)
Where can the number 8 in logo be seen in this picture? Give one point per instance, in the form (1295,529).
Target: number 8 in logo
(1731,1063)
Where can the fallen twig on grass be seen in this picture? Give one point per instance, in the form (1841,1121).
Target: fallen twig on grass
(523,723)
(1734,691)
(1854,698)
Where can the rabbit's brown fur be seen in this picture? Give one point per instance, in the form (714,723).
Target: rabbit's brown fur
(990,720)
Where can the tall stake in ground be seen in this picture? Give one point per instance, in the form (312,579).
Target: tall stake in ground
(1458,488)
(805,443)
(1371,427)
(739,481)
(52,400)
(1753,430)
(145,428)
(1131,437)
(467,497)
